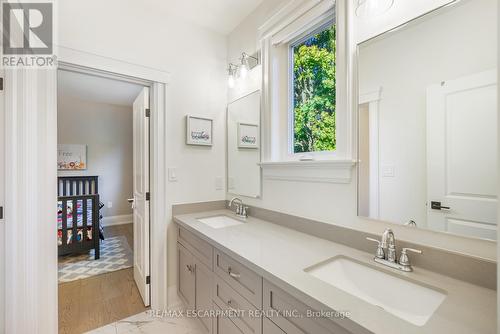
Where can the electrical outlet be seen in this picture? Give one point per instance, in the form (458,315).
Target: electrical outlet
(110,205)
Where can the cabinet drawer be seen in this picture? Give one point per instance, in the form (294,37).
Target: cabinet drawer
(270,328)
(223,325)
(240,278)
(293,316)
(227,298)
(200,248)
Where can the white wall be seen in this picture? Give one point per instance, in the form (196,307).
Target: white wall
(336,203)
(107,131)
(403,65)
(196,59)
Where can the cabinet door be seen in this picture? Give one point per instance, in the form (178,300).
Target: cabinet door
(186,276)
(222,325)
(271,328)
(203,298)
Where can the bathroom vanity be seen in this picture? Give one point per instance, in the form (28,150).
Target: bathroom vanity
(285,281)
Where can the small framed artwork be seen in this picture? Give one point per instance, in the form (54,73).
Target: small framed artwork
(71,157)
(199,131)
(248,135)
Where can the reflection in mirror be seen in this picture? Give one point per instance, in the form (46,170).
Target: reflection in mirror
(428,122)
(243,146)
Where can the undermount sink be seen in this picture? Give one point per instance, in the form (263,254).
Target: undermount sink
(409,301)
(221,221)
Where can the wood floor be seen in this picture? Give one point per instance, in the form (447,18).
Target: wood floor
(100,300)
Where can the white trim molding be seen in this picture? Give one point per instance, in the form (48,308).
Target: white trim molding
(369,97)
(86,60)
(321,171)
(30,207)
(31,182)
(292,21)
(117,220)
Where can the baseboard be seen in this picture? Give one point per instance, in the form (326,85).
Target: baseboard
(117,220)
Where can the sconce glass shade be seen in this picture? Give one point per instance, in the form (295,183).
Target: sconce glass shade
(371,8)
(231,81)
(245,66)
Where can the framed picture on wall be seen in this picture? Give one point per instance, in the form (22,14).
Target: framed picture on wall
(248,135)
(71,157)
(199,131)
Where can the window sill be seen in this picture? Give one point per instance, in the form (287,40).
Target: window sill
(316,171)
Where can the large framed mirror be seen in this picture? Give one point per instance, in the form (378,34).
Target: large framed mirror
(428,122)
(243,146)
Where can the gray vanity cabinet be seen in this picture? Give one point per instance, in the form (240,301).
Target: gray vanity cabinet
(270,328)
(195,278)
(222,325)
(185,276)
(203,292)
(209,279)
(294,316)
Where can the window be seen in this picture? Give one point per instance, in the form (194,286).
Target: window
(314,91)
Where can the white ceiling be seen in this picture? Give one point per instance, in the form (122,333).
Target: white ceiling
(96,89)
(218,15)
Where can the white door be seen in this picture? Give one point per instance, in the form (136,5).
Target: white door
(462,155)
(141,194)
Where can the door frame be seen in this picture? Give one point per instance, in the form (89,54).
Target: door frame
(38,88)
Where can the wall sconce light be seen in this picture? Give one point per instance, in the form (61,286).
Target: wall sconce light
(231,80)
(247,63)
(370,8)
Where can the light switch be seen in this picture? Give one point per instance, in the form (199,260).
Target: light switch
(110,205)
(219,183)
(388,171)
(172,174)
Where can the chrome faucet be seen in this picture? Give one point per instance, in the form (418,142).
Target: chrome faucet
(240,209)
(388,243)
(386,252)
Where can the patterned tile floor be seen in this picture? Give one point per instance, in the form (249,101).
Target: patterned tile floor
(143,323)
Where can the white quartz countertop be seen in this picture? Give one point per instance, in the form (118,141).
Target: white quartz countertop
(281,254)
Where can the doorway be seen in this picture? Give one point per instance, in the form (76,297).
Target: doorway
(103,200)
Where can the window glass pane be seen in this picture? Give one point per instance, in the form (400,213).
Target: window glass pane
(314,92)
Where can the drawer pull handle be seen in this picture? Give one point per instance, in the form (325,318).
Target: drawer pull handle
(233,275)
(190,268)
(230,304)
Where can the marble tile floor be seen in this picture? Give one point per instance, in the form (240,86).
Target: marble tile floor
(144,323)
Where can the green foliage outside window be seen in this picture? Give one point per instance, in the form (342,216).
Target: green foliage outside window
(314,92)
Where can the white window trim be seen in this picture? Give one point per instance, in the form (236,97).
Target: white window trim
(296,18)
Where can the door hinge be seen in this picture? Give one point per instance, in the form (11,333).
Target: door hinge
(148,279)
(148,112)
(148,196)
(1,212)
(1,83)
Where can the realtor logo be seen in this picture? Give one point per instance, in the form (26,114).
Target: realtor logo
(27,34)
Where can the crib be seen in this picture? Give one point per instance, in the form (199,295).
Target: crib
(78,215)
